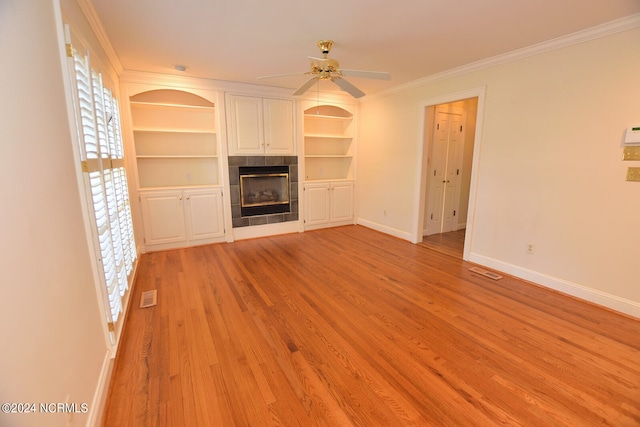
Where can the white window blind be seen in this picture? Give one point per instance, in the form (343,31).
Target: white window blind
(102,153)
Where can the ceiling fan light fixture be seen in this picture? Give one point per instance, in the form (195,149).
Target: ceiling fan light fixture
(326,68)
(325,46)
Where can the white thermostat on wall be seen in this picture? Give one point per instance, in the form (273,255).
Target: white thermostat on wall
(632,136)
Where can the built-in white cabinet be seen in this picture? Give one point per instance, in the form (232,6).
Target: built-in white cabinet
(328,204)
(181,217)
(178,166)
(260,126)
(329,164)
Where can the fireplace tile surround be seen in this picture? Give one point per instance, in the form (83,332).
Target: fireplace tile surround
(235,162)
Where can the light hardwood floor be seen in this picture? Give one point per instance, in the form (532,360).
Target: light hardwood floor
(348,326)
(450,243)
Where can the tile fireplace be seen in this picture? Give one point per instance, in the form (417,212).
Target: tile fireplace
(264,189)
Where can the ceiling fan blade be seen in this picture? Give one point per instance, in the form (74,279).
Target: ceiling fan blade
(348,87)
(380,75)
(282,75)
(302,89)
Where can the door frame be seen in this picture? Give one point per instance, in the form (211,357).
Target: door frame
(423,151)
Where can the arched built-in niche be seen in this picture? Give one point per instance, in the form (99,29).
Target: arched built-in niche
(175,139)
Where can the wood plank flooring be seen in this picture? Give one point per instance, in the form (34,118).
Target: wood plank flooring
(351,327)
(451,243)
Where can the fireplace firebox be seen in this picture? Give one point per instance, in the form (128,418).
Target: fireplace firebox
(264,190)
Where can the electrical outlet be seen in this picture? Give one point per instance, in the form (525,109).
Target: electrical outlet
(188,176)
(631,153)
(633,174)
(530,248)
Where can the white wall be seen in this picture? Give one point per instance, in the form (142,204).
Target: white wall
(53,346)
(549,173)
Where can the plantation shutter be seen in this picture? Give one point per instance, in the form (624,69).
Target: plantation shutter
(102,155)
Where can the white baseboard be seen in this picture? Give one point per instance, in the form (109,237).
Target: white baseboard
(100,395)
(604,299)
(385,229)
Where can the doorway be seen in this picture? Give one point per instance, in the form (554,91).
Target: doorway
(446,147)
(449,149)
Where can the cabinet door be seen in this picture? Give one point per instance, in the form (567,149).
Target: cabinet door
(342,202)
(203,210)
(245,125)
(317,202)
(163,217)
(278,126)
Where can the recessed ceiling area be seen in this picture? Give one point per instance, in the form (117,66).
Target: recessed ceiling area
(243,39)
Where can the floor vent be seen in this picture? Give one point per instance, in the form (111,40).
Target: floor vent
(486,273)
(149,299)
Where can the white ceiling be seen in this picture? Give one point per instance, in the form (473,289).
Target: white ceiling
(240,40)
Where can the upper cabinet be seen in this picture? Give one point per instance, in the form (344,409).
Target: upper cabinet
(260,126)
(329,146)
(175,139)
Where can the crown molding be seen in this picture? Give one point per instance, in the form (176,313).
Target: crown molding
(177,81)
(86,6)
(599,31)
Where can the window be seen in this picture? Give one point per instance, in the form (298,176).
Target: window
(102,156)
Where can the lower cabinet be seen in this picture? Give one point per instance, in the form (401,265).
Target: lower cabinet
(328,204)
(181,217)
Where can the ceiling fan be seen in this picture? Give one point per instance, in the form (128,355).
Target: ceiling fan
(329,69)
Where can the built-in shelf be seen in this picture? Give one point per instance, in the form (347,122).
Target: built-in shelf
(325,136)
(169,130)
(320,156)
(172,118)
(165,105)
(176,157)
(176,144)
(328,143)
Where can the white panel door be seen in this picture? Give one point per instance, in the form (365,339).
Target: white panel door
(445,164)
(204,215)
(437,170)
(278,126)
(245,125)
(163,217)
(452,174)
(317,204)
(342,202)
